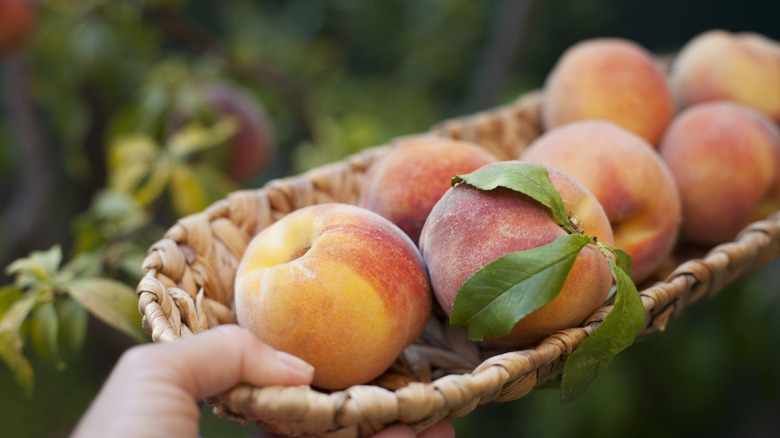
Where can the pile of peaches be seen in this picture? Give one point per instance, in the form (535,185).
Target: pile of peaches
(642,158)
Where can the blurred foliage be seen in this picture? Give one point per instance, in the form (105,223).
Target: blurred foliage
(104,164)
(50,304)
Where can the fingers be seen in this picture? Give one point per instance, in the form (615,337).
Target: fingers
(442,429)
(216,360)
(396,431)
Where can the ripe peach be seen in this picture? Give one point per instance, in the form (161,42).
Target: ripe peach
(720,65)
(612,79)
(629,179)
(469,228)
(725,158)
(17,18)
(405,184)
(336,285)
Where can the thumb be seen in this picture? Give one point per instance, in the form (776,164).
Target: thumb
(216,360)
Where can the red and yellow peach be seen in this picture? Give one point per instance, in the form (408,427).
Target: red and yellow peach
(611,79)
(725,158)
(741,67)
(405,184)
(628,177)
(469,228)
(336,285)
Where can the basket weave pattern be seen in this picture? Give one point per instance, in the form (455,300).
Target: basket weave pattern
(188,287)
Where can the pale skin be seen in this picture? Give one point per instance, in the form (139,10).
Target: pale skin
(154,389)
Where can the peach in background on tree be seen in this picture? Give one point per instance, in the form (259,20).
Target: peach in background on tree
(252,147)
(743,67)
(338,286)
(725,158)
(405,184)
(628,177)
(469,228)
(608,78)
(17,18)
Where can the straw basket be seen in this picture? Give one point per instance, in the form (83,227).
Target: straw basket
(188,285)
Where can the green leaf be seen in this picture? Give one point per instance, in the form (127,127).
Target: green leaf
(153,186)
(39,267)
(73,319)
(9,294)
(504,291)
(616,333)
(188,193)
(624,261)
(195,138)
(532,180)
(112,302)
(130,158)
(11,340)
(43,332)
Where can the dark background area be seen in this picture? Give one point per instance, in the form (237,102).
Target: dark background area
(368,72)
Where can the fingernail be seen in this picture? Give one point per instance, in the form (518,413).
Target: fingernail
(294,363)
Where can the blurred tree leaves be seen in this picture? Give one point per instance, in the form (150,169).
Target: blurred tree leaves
(46,303)
(112,79)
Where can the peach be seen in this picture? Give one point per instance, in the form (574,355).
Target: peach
(720,65)
(404,185)
(469,228)
(252,147)
(17,18)
(630,180)
(612,79)
(336,285)
(725,158)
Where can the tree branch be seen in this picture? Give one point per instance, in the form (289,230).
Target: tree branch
(500,52)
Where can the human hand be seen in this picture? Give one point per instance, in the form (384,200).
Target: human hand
(154,389)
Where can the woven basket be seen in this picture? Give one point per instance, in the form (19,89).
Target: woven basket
(188,286)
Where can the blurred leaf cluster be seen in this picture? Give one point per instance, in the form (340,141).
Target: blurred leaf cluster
(129,141)
(49,304)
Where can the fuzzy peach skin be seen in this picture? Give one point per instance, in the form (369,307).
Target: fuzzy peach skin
(336,285)
(741,67)
(630,180)
(725,158)
(469,228)
(405,184)
(612,79)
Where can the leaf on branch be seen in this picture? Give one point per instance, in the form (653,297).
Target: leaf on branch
(112,302)
(187,192)
(44,330)
(73,320)
(501,293)
(130,158)
(194,138)
(154,185)
(616,333)
(11,341)
(39,268)
(9,294)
